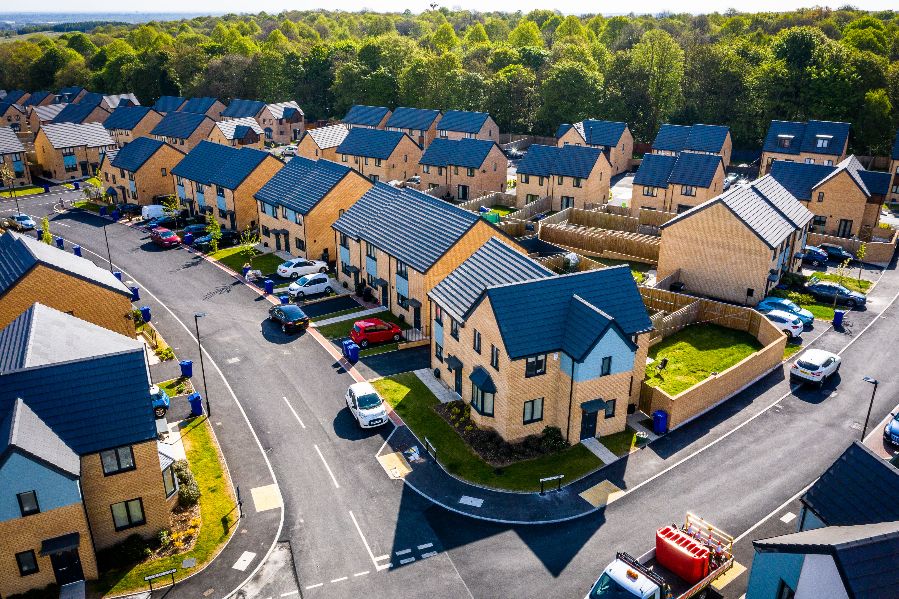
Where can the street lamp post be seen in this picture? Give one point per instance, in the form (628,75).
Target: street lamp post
(197,317)
(874,382)
(108,254)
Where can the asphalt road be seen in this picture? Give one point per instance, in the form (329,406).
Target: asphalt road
(733,466)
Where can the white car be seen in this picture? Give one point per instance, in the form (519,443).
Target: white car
(786,322)
(310,285)
(289,151)
(366,405)
(296,268)
(815,366)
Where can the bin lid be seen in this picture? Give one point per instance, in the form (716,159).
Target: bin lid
(193,396)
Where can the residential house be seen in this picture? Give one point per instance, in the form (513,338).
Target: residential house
(466,124)
(467,168)
(419,123)
(587,360)
(12,155)
(282,122)
(67,151)
(242,132)
(299,205)
(12,115)
(400,243)
(612,137)
(380,155)
(141,172)
(736,246)
(322,142)
(894,171)
(814,142)
(113,101)
(16,96)
(70,95)
(207,106)
(846,199)
(127,123)
(36,272)
(38,99)
(82,112)
(68,486)
(573,176)
(221,180)
(671,140)
(676,183)
(38,116)
(368,117)
(183,129)
(167,104)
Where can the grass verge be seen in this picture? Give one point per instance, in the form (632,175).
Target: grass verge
(172,386)
(85,205)
(235,257)
(342,328)
(378,349)
(849,282)
(819,310)
(792,349)
(638,269)
(28,190)
(336,314)
(624,442)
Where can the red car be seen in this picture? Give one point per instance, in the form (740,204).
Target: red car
(164,238)
(374,330)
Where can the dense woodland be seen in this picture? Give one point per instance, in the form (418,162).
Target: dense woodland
(530,71)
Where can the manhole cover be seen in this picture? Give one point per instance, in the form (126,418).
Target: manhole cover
(856,426)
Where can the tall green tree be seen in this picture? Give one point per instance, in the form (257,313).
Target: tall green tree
(659,60)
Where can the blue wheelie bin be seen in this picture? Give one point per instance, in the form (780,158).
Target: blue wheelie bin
(838,316)
(187,368)
(145,313)
(196,404)
(660,422)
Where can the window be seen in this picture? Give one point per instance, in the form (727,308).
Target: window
(535,366)
(377,162)
(687,190)
(610,408)
(606,368)
(576,181)
(810,161)
(567,202)
(168,482)
(454,329)
(199,187)
(531,197)
(650,191)
(455,170)
(533,411)
(494,357)
(343,157)
(301,245)
(525,178)
(344,241)
(265,231)
(297,219)
(438,315)
(163,172)
(128,514)
(27,563)
(366,161)
(402,270)
(440,170)
(426,168)
(823,142)
(828,163)
(784,142)
(895,189)
(481,401)
(470,172)
(283,210)
(540,181)
(820,196)
(28,503)
(819,221)
(476,341)
(371,251)
(117,460)
(438,351)
(374,178)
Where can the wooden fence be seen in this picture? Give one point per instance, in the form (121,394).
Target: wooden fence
(513,227)
(488,200)
(878,251)
(529,211)
(604,243)
(560,265)
(603,220)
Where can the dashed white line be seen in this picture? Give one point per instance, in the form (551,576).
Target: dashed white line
(315,586)
(374,560)
(788,517)
(294,412)
(428,554)
(328,468)
(341,579)
(408,560)
(361,573)
(403,551)
(425,546)
(289,593)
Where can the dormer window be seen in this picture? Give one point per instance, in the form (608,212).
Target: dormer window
(784,141)
(822,141)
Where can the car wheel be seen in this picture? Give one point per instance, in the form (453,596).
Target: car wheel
(300,295)
(159,412)
(850,304)
(284,328)
(363,344)
(294,275)
(328,289)
(788,333)
(816,263)
(396,337)
(323,269)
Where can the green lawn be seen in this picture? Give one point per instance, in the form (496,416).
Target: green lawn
(414,403)
(694,353)
(234,259)
(171,386)
(848,281)
(624,442)
(792,349)
(336,314)
(218,511)
(820,310)
(95,181)
(378,349)
(502,210)
(85,205)
(22,191)
(342,328)
(638,269)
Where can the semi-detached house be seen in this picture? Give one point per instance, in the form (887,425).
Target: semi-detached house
(467,124)
(39,98)
(380,155)
(206,106)
(12,115)
(367,117)
(322,142)
(671,140)
(612,137)
(237,133)
(38,116)
(141,172)
(12,156)
(167,104)
(676,183)
(127,123)
(66,151)
(281,122)
(82,112)
(419,123)
(183,130)
(572,176)
(813,142)
(466,168)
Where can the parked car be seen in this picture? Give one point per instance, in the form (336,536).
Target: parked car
(198,229)
(310,285)
(374,330)
(836,253)
(366,405)
(19,222)
(729,180)
(167,221)
(164,237)
(227,239)
(129,209)
(289,151)
(826,291)
(891,430)
(414,179)
(815,366)
(160,401)
(812,254)
(786,322)
(784,305)
(152,211)
(290,317)
(294,269)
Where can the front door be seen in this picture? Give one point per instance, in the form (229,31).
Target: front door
(67,567)
(845,228)
(588,424)
(463,193)
(84,170)
(277,242)
(416,317)
(458,381)
(384,295)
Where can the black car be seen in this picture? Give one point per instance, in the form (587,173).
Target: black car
(227,239)
(166,222)
(835,252)
(826,291)
(130,209)
(813,255)
(290,317)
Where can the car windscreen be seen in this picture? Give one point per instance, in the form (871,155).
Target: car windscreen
(166,234)
(293,313)
(368,401)
(607,588)
(807,365)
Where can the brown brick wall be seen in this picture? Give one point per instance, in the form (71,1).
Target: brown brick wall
(241,200)
(307,148)
(843,199)
(25,179)
(767,157)
(148,180)
(282,131)
(401,165)
(619,156)
(669,199)
(142,129)
(51,161)
(319,234)
(216,136)
(893,196)
(594,189)
(490,177)
(489,131)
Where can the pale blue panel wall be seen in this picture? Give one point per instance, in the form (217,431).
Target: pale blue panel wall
(20,474)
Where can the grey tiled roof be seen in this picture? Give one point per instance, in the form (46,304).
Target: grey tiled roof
(567,161)
(365,115)
(116,100)
(302,183)
(217,164)
(801,178)
(49,112)
(596,133)
(282,110)
(22,429)
(70,135)
(418,119)
(697,138)
(463,121)
(468,153)
(328,137)
(804,137)
(374,143)
(76,113)
(9,142)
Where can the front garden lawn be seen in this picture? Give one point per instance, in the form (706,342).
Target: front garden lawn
(341,329)
(502,210)
(18,192)
(235,257)
(624,442)
(85,205)
(172,386)
(849,282)
(638,269)
(336,314)
(694,353)
(414,402)
(821,311)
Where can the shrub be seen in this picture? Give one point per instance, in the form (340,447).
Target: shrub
(189,494)
(165,354)
(552,439)
(793,279)
(164,538)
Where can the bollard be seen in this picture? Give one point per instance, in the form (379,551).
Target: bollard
(117,274)
(76,250)
(135,293)
(269,286)
(60,243)
(40,233)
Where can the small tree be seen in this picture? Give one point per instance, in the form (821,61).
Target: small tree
(46,237)
(248,240)
(841,274)
(860,256)
(214,229)
(171,204)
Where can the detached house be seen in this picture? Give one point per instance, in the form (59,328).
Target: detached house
(206,106)
(38,99)
(380,155)
(676,183)
(167,104)
(71,151)
(736,246)
(82,112)
(612,137)
(298,206)
(367,117)
(236,133)
(127,123)
(16,96)
(12,115)
(419,123)
(38,116)
(113,101)
(814,142)
(281,122)
(573,176)
(845,199)
(141,172)
(12,155)
(671,140)
(322,142)
(894,171)
(528,349)
(465,124)
(466,168)
(183,129)
(221,180)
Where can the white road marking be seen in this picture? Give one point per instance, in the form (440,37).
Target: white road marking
(244,560)
(472,501)
(361,573)
(425,546)
(428,554)
(374,560)
(382,557)
(328,468)
(341,579)
(775,511)
(788,517)
(294,412)
(234,360)
(408,560)
(403,551)
(289,593)
(315,586)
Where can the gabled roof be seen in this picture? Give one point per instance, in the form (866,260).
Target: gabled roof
(168,103)
(805,136)
(365,115)
(284,110)
(135,153)
(302,183)
(328,137)
(411,226)
(116,100)
(13,96)
(463,121)
(198,105)
(468,153)
(413,118)
(592,298)
(35,98)
(126,117)
(70,135)
(91,99)
(801,179)
(23,430)
(49,112)
(75,113)
(4,106)
(696,138)
(179,124)
(239,127)
(654,171)
(567,161)
(9,141)
(90,385)
(687,168)
(240,108)
(216,164)
(895,153)
(20,253)
(596,133)
(494,263)
(373,143)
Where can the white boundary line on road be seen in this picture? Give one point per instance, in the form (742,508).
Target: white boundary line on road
(294,412)
(328,468)
(378,566)
(776,511)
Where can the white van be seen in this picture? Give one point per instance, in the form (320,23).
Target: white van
(152,211)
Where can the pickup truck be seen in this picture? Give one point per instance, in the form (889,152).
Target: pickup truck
(684,562)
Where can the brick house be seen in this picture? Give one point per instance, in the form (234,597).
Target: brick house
(12,155)
(112,101)
(366,117)
(183,129)
(467,124)
(298,206)
(167,104)
(894,171)
(70,95)
(814,142)
(736,246)
(579,373)
(38,116)
(127,123)
(237,133)
(573,176)
(380,155)
(322,142)
(281,122)
(846,199)
(221,180)
(70,487)
(12,115)
(612,137)
(67,151)
(206,106)
(400,243)
(676,183)
(671,140)
(419,123)
(141,172)
(16,96)
(467,168)
(40,98)
(82,112)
